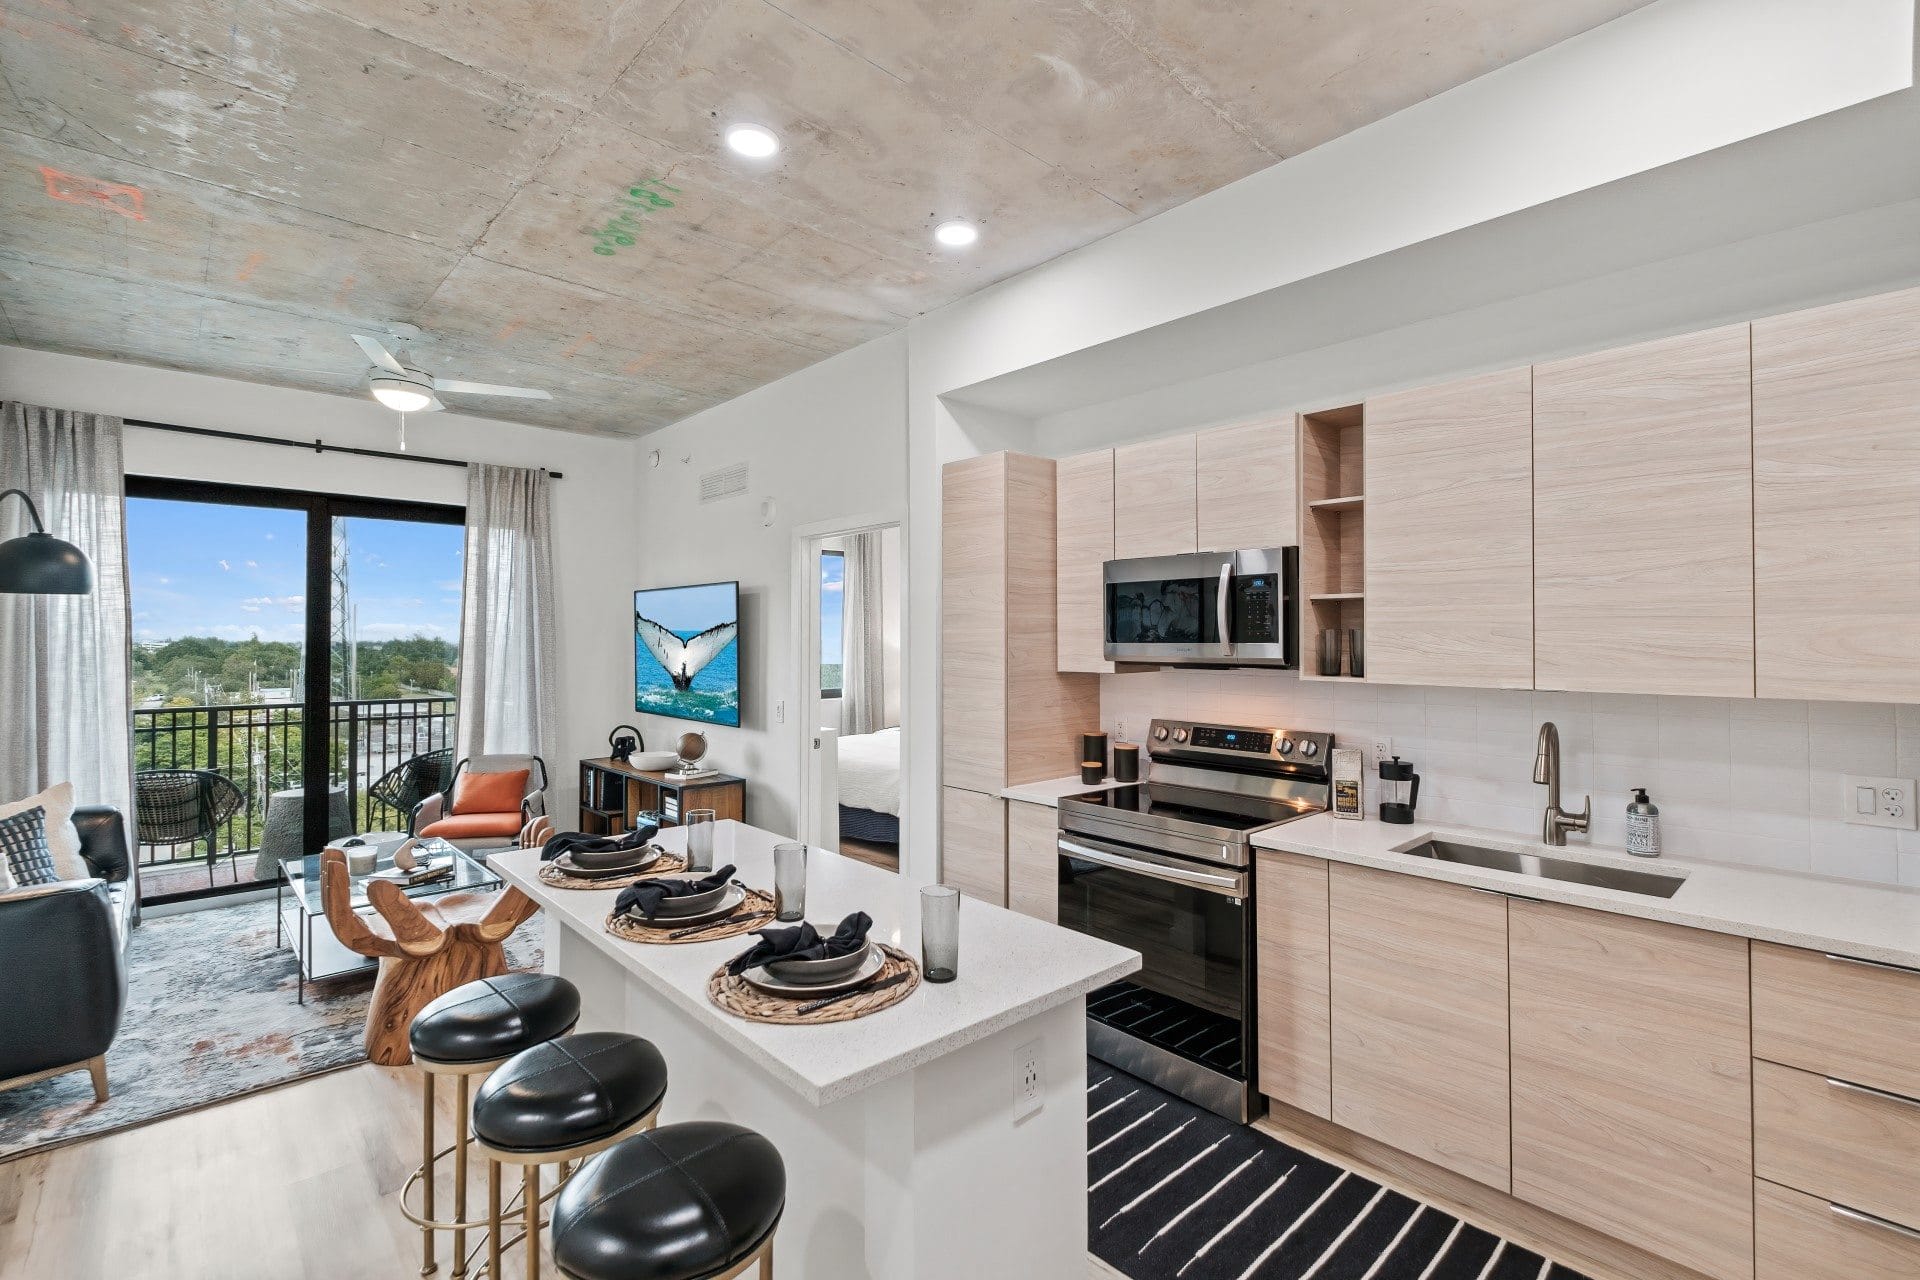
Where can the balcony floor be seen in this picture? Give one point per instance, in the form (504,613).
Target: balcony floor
(171,879)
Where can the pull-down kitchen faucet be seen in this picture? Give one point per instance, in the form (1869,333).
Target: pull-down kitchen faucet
(1556,822)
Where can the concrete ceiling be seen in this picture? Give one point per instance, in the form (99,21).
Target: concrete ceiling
(235,186)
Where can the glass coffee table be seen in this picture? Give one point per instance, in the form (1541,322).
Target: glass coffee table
(297,907)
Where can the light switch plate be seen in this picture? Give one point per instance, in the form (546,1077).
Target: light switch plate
(1877,802)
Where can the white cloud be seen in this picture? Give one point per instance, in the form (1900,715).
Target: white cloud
(406,631)
(253,564)
(830,588)
(224,566)
(452,584)
(254,604)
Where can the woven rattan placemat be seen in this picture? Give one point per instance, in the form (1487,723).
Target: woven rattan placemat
(668,864)
(754,912)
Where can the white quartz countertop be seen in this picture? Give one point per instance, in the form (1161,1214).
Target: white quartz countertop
(1847,917)
(1050,792)
(1011,966)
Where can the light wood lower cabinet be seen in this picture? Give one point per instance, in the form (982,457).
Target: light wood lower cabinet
(1853,1145)
(1848,1018)
(973,844)
(1632,1081)
(1419,999)
(1033,860)
(1801,1237)
(1290,893)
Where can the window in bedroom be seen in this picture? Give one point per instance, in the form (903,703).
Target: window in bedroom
(833,581)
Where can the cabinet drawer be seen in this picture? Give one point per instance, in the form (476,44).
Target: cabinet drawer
(1838,1140)
(1801,1237)
(1845,1018)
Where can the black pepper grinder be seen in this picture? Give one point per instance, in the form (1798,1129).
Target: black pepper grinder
(1399,791)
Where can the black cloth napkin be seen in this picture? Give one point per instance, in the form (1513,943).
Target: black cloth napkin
(803,942)
(572,841)
(649,894)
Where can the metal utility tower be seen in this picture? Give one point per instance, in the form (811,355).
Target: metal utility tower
(343,653)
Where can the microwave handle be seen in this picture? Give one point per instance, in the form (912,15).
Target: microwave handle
(1221,605)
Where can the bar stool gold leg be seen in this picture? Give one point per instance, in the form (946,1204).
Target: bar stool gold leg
(460,1176)
(428,1263)
(494,1225)
(533,1221)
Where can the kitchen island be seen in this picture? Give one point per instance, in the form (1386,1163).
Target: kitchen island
(905,1152)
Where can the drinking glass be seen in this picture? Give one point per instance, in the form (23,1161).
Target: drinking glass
(700,840)
(1330,651)
(789,882)
(939,933)
(1356,665)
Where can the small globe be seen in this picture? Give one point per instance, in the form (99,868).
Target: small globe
(693,747)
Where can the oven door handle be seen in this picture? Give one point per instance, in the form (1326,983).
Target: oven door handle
(1223,884)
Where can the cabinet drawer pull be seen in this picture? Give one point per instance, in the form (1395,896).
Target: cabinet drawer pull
(1870,1091)
(1868,1220)
(1872,964)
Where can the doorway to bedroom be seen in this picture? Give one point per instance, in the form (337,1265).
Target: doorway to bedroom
(853,679)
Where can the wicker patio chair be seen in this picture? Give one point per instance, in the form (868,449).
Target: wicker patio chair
(404,786)
(185,806)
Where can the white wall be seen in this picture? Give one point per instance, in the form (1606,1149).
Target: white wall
(593,516)
(1747,781)
(828,445)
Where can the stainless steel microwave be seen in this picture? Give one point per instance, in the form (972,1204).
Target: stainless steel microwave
(1213,608)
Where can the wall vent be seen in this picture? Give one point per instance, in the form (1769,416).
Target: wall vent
(727,482)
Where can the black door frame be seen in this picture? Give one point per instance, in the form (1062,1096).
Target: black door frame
(317,692)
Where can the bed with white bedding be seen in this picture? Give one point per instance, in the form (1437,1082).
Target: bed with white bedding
(870,786)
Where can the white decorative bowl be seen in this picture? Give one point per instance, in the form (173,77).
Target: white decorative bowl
(654,761)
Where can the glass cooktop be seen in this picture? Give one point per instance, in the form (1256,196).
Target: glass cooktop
(1152,803)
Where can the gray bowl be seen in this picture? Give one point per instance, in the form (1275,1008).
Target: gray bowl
(691,904)
(829,970)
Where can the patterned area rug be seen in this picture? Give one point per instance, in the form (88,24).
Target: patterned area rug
(1175,1191)
(211,1015)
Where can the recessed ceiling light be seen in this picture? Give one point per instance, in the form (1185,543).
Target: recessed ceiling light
(956,234)
(755,141)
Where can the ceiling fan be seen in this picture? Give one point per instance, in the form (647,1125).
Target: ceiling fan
(408,390)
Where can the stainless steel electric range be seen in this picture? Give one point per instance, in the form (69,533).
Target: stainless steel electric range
(1166,867)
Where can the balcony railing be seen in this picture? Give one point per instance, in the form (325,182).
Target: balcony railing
(259,747)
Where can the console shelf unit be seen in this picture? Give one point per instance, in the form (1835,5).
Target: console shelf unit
(613,795)
(1332,533)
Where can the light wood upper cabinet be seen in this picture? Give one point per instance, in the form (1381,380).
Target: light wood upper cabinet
(1632,1081)
(1836,456)
(1292,1011)
(973,844)
(1247,491)
(1154,502)
(1083,521)
(1643,518)
(1449,512)
(1419,998)
(1033,860)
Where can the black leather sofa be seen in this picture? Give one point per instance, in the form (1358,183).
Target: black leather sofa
(63,953)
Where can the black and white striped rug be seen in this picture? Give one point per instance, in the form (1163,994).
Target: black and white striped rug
(1177,1193)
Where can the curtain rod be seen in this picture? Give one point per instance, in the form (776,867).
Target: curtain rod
(318,445)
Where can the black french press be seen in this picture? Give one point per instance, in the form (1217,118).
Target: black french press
(1399,791)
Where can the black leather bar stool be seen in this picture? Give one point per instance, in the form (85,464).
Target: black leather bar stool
(465,1033)
(692,1201)
(557,1103)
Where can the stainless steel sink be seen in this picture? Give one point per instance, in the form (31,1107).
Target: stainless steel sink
(1545,867)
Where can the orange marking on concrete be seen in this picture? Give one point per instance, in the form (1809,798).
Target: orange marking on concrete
(634,365)
(580,342)
(510,328)
(251,265)
(346,288)
(127,201)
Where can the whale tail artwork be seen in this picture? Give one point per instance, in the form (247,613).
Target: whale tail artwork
(683,659)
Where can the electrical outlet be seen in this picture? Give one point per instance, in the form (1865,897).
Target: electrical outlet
(1382,748)
(1026,1080)
(1120,731)
(780,711)
(1877,802)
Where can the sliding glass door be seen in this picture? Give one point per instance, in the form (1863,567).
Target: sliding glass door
(292,651)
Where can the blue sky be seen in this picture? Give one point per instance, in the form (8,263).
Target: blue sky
(833,593)
(684,609)
(201,569)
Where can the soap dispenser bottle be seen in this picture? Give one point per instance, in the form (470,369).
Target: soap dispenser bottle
(1643,825)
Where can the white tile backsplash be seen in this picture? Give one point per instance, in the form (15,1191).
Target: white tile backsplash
(1756,782)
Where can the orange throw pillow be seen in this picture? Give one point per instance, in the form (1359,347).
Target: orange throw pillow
(491,792)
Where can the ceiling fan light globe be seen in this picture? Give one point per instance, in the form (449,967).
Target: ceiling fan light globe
(401,397)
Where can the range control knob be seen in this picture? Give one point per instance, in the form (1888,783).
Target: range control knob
(1160,733)
(1284,746)
(1179,735)
(1309,748)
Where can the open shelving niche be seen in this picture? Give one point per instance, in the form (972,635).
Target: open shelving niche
(1332,533)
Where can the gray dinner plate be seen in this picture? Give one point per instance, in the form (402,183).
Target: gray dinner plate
(731,897)
(803,972)
(872,963)
(569,867)
(691,904)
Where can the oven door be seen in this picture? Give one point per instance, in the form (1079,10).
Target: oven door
(1185,1020)
(1170,609)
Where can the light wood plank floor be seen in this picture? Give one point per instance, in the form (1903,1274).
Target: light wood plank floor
(295,1182)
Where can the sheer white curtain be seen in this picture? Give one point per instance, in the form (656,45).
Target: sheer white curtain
(863,693)
(507,650)
(64,713)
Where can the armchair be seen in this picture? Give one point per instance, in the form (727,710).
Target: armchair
(475,810)
(63,949)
